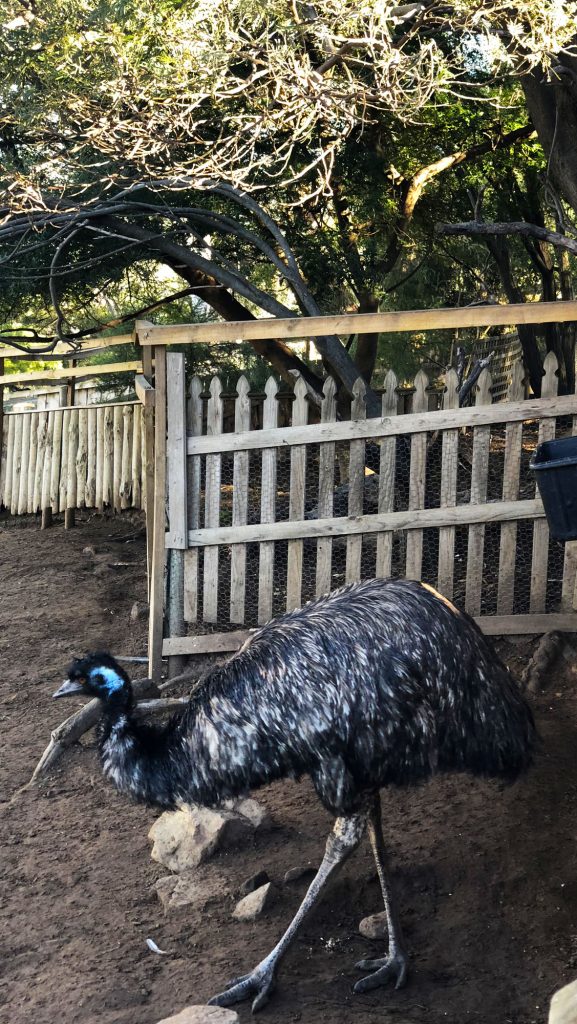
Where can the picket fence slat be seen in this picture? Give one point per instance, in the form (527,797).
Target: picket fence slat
(193,470)
(448,497)
(239,505)
(511,478)
(212,504)
(267,505)
(387,469)
(479,480)
(417,480)
(540,556)
(356,485)
(23,480)
(326,488)
(297,499)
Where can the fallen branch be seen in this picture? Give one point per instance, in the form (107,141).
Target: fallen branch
(74,727)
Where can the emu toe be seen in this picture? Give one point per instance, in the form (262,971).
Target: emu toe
(387,968)
(259,984)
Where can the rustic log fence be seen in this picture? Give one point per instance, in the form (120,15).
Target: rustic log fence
(59,460)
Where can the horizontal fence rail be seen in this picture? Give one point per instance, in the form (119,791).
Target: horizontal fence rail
(73,457)
(266,517)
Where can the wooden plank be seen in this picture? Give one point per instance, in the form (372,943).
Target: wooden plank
(193,469)
(40,453)
(212,505)
(7,476)
(82,458)
(136,459)
(387,466)
(63,459)
(492,625)
(326,489)
(32,462)
(108,457)
(156,617)
(176,455)
(299,328)
(72,373)
(419,519)
(449,466)
(300,413)
(46,503)
(73,433)
(148,465)
(126,461)
(511,475)
(56,408)
(267,504)
(411,423)
(417,481)
(16,465)
(91,441)
(56,461)
(99,495)
(540,554)
(116,457)
(144,391)
(239,504)
(24,462)
(356,485)
(479,480)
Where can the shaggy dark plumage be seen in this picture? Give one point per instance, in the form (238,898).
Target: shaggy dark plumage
(379,683)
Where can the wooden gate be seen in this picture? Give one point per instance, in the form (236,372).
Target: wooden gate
(452,503)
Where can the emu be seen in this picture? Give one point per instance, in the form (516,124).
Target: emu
(379,683)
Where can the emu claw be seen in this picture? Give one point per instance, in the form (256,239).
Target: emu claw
(259,983)
(384,969)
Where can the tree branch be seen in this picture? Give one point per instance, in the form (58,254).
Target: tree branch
(520,227)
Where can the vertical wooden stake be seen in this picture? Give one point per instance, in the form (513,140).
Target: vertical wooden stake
(158,503)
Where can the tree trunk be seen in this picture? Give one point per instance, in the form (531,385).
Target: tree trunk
(553,109)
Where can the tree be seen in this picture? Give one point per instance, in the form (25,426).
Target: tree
(117,134)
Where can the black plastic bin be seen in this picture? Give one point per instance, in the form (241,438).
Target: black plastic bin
(555,465)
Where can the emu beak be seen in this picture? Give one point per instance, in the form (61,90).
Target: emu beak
(69,687)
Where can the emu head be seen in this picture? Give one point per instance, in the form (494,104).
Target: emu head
(97,675)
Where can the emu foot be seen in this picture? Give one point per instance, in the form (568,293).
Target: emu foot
(259,983)
(384,970)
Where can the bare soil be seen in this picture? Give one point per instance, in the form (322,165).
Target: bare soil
(486,876)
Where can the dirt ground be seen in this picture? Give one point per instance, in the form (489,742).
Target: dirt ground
(486,876)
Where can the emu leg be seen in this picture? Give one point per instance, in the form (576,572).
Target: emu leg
(395,964)
(345,837)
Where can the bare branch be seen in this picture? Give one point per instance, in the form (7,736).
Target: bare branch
(512,228)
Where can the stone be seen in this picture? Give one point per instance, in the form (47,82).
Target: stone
(251,809)
(295,874)
(254,882)
(203,1015)
(138,611)
(191,888)
(563,1009)
(185,838)
(375,926)
(89,551)
(254,904)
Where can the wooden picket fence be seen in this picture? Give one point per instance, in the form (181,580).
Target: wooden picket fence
(455,504)
(73,457)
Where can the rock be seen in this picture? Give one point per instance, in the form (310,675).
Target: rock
(295,874)
(185,838)
(203,1015)
(191,888)
(563,1008)
(89,551)
(252,906)
(138,611)
(375,926)
(254,882)
(251,809)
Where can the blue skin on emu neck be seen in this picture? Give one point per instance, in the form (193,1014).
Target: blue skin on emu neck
(112,682)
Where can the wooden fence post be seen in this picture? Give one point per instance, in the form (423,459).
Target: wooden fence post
(177,499)
(157,499)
